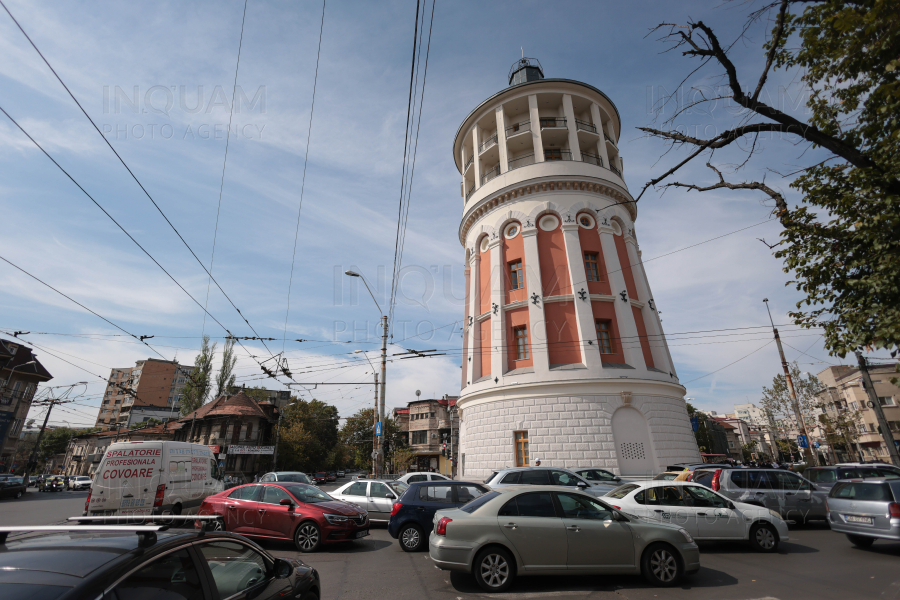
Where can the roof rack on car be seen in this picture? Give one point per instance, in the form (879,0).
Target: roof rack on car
(146,533)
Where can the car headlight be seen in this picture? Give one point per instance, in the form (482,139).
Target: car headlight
(336,519)
(774,514)
(687,536)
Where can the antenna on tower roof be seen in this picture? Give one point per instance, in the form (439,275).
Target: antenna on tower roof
(522,48)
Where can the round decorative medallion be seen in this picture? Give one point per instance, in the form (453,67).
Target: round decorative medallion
(548,223)
(586,221)
(512,230)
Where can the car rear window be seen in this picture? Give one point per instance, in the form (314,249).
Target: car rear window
(479,502)
(510,478)
(622,491)
(538,477)
(821,475)
(862,491)
(435,493)
(491,476)
(703,477)
(295,477)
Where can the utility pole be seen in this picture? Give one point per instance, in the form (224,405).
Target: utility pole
(384,336)
(790,383)
(375,431)
(875,405)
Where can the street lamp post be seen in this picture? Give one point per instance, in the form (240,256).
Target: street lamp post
(384,334)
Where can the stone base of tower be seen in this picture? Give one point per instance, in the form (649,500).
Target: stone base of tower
(628,434)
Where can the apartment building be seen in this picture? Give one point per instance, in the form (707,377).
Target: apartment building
(20,374)
(149,383)
(433,423)
(845,391)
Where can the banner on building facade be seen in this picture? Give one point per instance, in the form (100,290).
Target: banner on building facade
(251,449)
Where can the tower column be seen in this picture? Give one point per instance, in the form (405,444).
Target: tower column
(476,138)
(501,138)
(498,329)
(474,301)
(630,342)
(590,353)
(537,324)
(601,143)
(569,111)
(535,118)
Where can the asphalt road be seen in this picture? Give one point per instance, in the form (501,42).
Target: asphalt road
(816,564)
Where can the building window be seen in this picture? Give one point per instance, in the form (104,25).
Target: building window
(515,275)
(521,438)
(591,266)
(419,437)
(604,337)
(521,336)
(16,428)
(552,153)
(886,400)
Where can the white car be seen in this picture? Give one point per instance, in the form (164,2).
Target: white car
(705,514)
(377,497)
(80,482)
(423,476)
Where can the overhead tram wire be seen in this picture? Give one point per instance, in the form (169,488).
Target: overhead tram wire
(133,176)
(399,265)
(312,108)
(237,67)
(729,364)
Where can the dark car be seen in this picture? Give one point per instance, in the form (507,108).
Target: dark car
(87,562)
(52,484)
(12,487)
(412,515)
(296,512)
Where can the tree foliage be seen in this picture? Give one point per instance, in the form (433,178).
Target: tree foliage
(196,390)
(777,402)
(309,436)
(840,243)
(54,442)
(225,376)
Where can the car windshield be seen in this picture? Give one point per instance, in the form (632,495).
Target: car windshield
(295,477)
(622,491)
(479,502)
(821,475)
(308,494)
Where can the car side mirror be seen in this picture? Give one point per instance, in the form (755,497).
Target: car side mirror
(390,496)
(582,485)
(617,479)
(286,502)
(731,505)
(283,568)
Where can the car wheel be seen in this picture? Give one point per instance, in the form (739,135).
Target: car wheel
(176,510)
(411,538)
(860,541)
(661,565)
(763,538)
(308,538)
(494,570)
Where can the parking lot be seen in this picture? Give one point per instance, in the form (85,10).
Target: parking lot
(816,563)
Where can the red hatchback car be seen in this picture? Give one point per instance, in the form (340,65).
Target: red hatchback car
(288,511)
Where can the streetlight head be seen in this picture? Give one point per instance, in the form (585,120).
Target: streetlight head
(765,299)
(351,273)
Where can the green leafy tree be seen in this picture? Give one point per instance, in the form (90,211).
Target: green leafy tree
(309,435)
(225,376)
(356,435)
(196,390)
(144,424)
(840,243)
(54,442)
(776,400)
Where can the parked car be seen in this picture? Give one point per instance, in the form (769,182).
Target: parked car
(376,497)
(876,464)
(320,477)
(825,477)
(546,476)
(330,476)
(148,562)
(595,475)
(12,487)
(792,496)
(340,474)
(412,515)
(35,482)
(672,476)
(79,482)
(548,530)
(417,476)
(297,512)
(52,484)
(285,476)
(705,514)
(865,510)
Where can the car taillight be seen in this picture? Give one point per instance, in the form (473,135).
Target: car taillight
(88,501)
(396,508)
(441,528)
(894,510)
(715,481)
(160,492)
(827,510)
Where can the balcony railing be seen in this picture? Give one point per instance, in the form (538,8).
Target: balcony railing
(585,126)
(552,122)
(551,154)
(468,162)
(490,174)
(518,128)
(591,158)
(521,161)
(615,170)
(609,139)
(491,141)
(470,191)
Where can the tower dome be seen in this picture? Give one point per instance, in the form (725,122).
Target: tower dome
(564,355)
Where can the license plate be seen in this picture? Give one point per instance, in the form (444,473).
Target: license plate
(360,534)
(860,520)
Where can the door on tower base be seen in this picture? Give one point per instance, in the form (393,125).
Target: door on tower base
(632,439)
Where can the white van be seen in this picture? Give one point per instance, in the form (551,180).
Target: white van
(153,478)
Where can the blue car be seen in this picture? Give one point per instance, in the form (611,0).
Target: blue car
(412,514)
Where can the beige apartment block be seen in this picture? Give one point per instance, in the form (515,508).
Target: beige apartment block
(149,383)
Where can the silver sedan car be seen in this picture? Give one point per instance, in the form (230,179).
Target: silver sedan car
(547,476)
(547,530)
(865,510)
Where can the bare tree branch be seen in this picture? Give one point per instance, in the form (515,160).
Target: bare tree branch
(781,205)
(776,38)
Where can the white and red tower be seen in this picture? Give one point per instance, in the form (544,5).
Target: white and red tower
(564,356)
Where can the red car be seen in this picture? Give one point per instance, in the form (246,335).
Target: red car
(288,511)
(320,477)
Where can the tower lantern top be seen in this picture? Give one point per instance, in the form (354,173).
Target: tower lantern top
(525,69)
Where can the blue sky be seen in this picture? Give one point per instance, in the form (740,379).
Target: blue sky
(175,144)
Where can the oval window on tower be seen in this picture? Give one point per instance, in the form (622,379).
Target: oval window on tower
(484,244)
(586,221)
(617,229)
(549,223)
(512,230)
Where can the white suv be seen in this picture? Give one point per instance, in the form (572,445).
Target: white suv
(414,477)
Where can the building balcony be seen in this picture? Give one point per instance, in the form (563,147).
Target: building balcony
(609,139)
(615,170)
(488,143)
(520,161)
(425,448)
(518,129)
(585,126)
(592,159)
(469,163)
(552,123)
(551,154)
(470,191)
(490,174)
(96,457)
